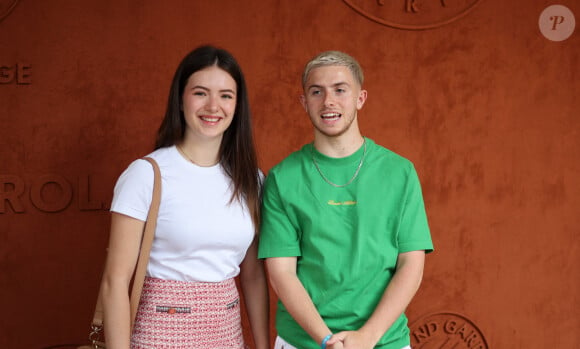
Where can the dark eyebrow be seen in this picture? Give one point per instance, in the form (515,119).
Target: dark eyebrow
(207,89)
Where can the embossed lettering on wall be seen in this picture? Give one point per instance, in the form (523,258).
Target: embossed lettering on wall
(413,14)
(446,330)
(19,73)
(557,23)
(47,193)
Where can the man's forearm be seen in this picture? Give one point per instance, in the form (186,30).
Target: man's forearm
(298,302)
(397,295)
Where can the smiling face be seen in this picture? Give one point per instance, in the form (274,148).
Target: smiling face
(332,98)
(209,103)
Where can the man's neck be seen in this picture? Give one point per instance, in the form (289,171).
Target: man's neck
(339,146)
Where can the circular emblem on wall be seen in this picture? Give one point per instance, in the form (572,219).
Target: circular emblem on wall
(413,14)
(446,330)
(6,6)
(557,22)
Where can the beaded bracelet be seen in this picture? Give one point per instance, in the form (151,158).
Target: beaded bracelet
(323,344)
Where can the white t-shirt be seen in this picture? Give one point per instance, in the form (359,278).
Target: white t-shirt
(200,235)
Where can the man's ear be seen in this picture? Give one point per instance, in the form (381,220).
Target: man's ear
(303,102)
(360,101)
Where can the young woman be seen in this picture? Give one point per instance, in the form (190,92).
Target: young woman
(207,223)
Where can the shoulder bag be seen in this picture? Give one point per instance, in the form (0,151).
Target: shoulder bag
(96,338)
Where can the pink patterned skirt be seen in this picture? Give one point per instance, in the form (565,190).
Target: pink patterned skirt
(180,315)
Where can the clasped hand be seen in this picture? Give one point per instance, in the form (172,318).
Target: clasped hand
(349,340)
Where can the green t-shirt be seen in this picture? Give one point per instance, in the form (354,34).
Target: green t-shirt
(346,239)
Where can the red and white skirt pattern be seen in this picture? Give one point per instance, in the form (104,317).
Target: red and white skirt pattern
(183,315)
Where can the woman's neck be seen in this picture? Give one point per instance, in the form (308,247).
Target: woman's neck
(201,153)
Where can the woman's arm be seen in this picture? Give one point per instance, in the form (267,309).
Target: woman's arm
(255,291)
(124,243)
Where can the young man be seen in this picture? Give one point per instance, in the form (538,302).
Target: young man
(344,229)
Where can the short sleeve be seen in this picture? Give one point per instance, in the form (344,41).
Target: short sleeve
(279,237)
(414,231)
(133,190)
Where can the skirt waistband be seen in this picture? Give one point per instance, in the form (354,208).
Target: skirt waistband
(180,314)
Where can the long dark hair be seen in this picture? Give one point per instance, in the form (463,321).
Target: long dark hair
(237,152)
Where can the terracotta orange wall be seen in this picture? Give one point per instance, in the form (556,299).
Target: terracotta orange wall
(486,108)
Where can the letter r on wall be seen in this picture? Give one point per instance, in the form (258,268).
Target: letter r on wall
(11,188)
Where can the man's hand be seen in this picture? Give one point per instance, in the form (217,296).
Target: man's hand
(350,340)
(337,345)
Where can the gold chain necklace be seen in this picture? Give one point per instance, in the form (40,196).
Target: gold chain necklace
(362,159)
(182,152)
(187,157)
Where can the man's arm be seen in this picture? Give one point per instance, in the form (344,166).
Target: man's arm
(395,299)
(285,282)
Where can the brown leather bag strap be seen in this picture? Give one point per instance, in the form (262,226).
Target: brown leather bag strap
(146,242)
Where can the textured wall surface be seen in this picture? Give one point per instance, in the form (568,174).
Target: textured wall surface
(485,106)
